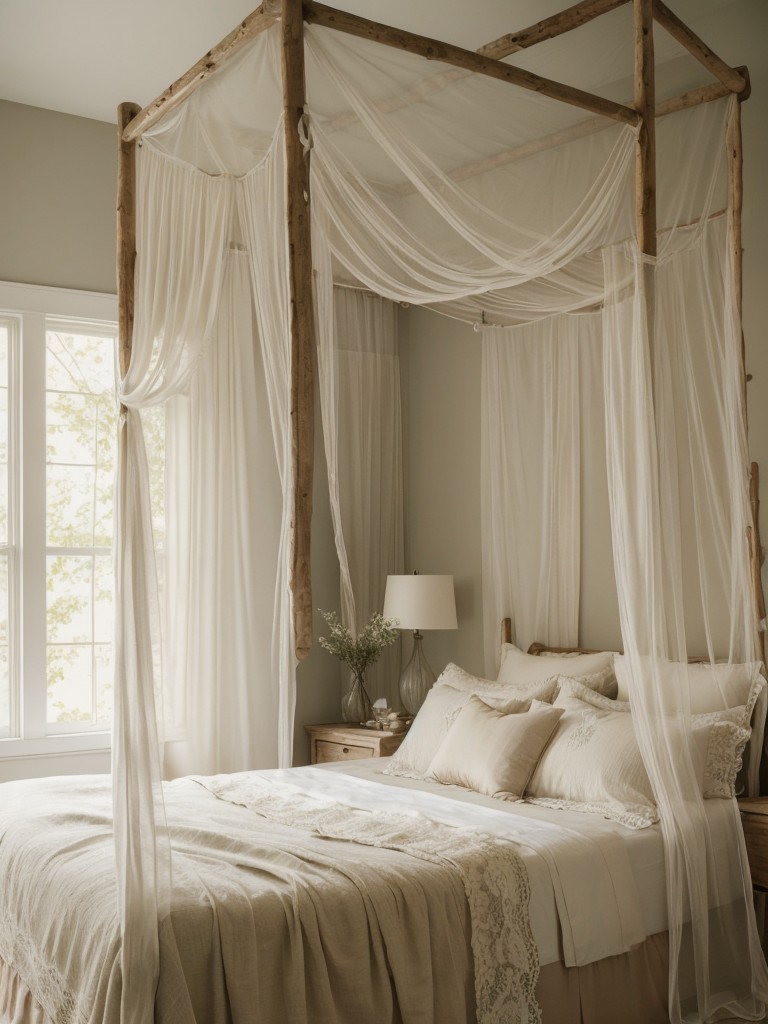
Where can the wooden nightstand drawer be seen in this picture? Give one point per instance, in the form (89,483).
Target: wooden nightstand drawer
(754,820)
(347,742)
(328,750)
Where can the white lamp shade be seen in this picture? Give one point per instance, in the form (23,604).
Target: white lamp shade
(421,602)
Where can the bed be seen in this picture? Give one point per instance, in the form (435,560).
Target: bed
(381,934)
(370,890)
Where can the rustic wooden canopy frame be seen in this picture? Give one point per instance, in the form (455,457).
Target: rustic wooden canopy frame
(133,122)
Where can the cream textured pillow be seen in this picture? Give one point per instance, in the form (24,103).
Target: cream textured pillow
(711,687)
(719,738)
(596,670)
(491,752)
(593,763)
(444,702)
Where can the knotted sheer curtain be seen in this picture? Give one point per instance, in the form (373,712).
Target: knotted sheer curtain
(534,237)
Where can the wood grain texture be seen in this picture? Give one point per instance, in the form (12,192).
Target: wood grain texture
(346,741)
(754,820)
(697,48)
(447,53)
(573,17)
(645,103)
(256,23)
(302,321)
(126,234)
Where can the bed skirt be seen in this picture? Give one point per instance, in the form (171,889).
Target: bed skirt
(631,988)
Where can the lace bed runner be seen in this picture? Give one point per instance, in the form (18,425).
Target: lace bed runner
(493,875)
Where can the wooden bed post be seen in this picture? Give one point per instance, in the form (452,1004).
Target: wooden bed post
(302,320)
(735,204)
(645,102)
(126,233)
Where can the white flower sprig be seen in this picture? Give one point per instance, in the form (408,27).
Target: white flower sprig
(364,650)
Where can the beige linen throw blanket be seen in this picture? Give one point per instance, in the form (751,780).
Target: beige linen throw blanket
(285,907)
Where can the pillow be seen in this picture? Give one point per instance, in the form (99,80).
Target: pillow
(444,702)
(491,752)
(719,739)
(593,763)
(519,667)
(711,687)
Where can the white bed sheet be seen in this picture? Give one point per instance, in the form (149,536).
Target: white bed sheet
(597,887)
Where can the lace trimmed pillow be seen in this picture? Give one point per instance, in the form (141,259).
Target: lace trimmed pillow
(519,667)
(593,762)
(444,701)
(720,738)
(491,752)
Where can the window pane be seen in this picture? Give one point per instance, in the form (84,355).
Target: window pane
(80,457)
(80,438)
(5,679)
(70,683)
(5,623)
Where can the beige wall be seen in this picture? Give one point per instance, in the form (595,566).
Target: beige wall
(57,199)
(441,393)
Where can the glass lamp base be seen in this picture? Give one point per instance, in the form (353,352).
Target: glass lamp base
(417,678)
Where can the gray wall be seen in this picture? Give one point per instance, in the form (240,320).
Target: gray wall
(57,199)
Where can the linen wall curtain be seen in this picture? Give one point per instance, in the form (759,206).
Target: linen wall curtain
(531,409)
(360,402)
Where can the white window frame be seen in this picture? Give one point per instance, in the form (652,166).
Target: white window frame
(33,306)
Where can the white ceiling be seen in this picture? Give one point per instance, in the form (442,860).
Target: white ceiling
(86,56)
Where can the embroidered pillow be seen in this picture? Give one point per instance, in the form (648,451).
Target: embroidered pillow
(519,667)
(719,737)
(444,702)
(491,752)
(593,764)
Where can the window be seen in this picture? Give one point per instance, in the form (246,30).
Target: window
(58,418)
(81,424)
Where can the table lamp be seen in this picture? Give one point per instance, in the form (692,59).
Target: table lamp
(419,602)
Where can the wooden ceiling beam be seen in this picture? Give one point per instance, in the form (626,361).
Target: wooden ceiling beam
(573,17)
(669,21)
(447,53)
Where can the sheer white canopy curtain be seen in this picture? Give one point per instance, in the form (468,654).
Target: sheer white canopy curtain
(425,188)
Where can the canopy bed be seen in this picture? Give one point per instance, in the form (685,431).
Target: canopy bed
(598,254)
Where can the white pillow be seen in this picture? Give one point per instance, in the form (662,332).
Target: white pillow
(519,667)
(593,764)
(712,687)
(493,753)
(719,737)
(444,702)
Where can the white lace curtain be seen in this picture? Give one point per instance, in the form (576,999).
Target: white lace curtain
(545,234)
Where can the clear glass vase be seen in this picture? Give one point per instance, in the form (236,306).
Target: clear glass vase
(356,704)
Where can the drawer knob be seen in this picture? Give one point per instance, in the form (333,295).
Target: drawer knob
(345,750)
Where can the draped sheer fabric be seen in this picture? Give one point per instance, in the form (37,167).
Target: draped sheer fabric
(534,237)
(359,373)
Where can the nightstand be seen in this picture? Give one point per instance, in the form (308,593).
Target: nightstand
(754,820)
(347,742)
